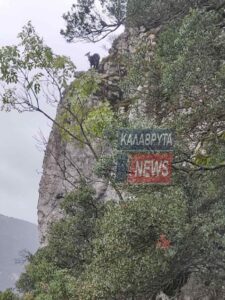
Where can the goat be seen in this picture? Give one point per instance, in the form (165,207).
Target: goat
(93,59)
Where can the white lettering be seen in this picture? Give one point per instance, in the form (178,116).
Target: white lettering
(159,136)
(154,138)
(139,168)
(123,139)
(141,140)
(148,139)
(165,168)
(156,168)
(169,140)
(147,168)
(129,140)
(135,140)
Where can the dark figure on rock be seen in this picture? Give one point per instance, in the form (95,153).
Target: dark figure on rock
(94,60)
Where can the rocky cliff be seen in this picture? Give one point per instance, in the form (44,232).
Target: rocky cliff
(64,161)
(59,172)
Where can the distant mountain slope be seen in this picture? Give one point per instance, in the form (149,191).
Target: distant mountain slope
(15,236)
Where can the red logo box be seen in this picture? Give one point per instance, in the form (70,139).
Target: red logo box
(150,168)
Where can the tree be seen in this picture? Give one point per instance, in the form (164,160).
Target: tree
(8,295)
(31,75)
(133,249)
(186,79)
(155,236)
(30,72)
(93,20)
(151,14)
(53,270)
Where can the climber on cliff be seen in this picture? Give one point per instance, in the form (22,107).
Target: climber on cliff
(93,59)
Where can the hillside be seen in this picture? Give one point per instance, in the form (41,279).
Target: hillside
(106,233)
(15,236)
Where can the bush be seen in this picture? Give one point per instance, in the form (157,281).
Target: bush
(8,295)
(152,13)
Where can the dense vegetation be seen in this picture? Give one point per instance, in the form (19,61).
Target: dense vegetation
(155,237)
(93,20)
(157,12)
(8,295)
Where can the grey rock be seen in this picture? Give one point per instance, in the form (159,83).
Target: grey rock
(64,161)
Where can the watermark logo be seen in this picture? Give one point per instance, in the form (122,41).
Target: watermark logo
(145,156)
(148,140)
(150,168)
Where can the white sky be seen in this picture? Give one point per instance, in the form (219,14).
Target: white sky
(20,160)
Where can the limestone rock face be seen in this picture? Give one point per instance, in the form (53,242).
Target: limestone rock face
(63,161)
(62,166)
(51,188)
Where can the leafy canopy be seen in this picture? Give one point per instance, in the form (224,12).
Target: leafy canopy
(158,235)
(31,72)
(93,20)
(82,118)
(135,248)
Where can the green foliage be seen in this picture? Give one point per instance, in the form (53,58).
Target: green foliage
(8,295)
(179,51)
(49,283)
(158,235)
(99,119)
(136,66)
(52,271)
(135,248)
(190,58)
(30,71)
(186,86)
(105,166)
(76,231)
(85,85)
(127,262)
(211,151)
(93,20)
(82,118)
(152,13)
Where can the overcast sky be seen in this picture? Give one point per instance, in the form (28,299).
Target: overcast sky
(20,159)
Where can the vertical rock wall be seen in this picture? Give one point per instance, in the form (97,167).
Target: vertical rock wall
(63,161)
(59,173)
